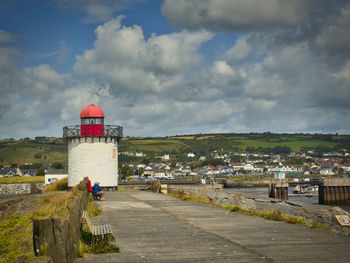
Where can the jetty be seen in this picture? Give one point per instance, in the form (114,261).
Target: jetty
(152,227)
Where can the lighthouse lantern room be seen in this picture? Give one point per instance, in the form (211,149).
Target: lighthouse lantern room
(92,149)
(92,121)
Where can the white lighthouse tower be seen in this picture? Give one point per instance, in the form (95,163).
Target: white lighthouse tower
(93,149)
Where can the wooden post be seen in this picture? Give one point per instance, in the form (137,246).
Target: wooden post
(334,191)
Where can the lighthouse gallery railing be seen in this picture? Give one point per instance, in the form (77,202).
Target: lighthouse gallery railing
(78,131)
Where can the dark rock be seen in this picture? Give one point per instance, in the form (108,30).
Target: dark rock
(34,189)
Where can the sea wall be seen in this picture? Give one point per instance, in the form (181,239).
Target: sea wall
(312,213)
(58,237)
(20,188)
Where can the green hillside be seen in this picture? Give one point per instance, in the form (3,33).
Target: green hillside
(203,144)
(33,151)
(51,150)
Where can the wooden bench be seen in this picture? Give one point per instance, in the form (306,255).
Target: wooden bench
(98,232)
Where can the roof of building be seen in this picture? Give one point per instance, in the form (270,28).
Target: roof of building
(51,171)
(92,111)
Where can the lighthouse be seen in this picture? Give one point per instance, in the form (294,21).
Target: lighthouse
(93,149)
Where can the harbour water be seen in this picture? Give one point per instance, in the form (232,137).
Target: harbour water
(262,192)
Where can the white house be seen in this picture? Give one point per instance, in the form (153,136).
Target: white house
(191,155)
(54,175)
(326,172)
(248,167)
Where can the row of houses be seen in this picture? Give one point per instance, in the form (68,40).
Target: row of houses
(163,170)
(8,172)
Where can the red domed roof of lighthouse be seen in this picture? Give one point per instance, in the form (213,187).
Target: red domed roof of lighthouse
(92,111)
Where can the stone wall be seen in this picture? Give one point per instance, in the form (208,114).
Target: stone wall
(20,188)
(58,237)
(312,213)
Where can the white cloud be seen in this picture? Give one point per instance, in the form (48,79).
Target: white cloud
(240,50)
(123,57)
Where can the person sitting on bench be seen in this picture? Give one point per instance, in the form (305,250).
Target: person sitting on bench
(97,190)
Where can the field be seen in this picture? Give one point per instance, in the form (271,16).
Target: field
(33,152)
(228,142)
(22,180)
(55,150)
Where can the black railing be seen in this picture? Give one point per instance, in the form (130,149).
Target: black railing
(98,130)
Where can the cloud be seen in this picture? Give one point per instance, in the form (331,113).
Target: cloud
(7,37)
(228,15)
(130,63)
(334,39)
(96,11)
(281,76)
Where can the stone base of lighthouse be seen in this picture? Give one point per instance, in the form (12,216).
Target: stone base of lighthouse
(93,157)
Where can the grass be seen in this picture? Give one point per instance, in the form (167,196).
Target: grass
(24,153)
(89,244)
(22,180)
(92,209)
(61,185)
(316,224)
(16,239)
(53,204)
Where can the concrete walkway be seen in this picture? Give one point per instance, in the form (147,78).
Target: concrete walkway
(158,228)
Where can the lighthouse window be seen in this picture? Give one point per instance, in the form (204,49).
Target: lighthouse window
(85,121)
(99,121)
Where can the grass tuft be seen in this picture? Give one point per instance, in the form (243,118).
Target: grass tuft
(92,209)
(90,244)
(52,204)
(61,185)
(316,224)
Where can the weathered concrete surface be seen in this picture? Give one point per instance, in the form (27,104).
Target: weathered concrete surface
(157,228)
(310,212)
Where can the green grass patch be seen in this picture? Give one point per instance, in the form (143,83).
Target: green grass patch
(16,239)
(91,244)
(92,209)
(271,215)
(316,224)
(22,180)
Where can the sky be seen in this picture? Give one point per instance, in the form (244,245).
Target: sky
(163,68)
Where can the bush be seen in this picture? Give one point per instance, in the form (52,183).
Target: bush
(40,172)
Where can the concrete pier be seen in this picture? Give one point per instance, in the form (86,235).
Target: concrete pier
(334,191)
(278,189)
(156,228)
